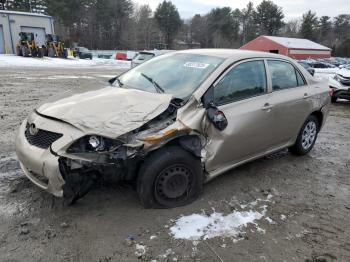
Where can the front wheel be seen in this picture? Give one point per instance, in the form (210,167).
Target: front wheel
(169,177)
(307,137)
(25,51)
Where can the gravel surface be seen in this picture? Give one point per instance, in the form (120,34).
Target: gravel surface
(306,216)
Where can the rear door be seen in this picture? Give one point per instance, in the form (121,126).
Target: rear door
(291,100)
(242,94)
(39,33)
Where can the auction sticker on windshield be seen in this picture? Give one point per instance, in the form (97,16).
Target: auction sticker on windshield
(196,65)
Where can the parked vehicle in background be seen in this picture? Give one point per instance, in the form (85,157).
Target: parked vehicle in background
(321,64)
(26,46)
(173,123)
(144,56)
(53,47)
(307,66)
(82,53)
(340,83)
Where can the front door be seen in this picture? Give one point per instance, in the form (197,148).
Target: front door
(242,95)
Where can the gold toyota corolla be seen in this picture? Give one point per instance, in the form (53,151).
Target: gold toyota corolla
(172,124)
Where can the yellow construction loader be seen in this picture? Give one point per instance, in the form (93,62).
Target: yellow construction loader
(53,47)
(26,45)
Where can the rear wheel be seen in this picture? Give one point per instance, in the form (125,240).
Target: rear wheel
(169,177)
(40,52)
(34,52)
(51,52)
(307,137)
(64,53)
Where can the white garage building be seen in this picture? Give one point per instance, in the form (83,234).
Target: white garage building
(12,23)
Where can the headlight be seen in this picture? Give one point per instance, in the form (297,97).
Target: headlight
(93,144)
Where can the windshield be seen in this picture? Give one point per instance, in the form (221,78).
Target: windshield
(55,38)
(144,56)
(83,49)
(176,74)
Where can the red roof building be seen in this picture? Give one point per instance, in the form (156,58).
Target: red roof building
(293,47)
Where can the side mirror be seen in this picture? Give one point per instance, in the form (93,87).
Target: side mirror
(311,71)
(217,117)
(112,80)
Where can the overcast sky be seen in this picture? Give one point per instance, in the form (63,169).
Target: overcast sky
(291,8)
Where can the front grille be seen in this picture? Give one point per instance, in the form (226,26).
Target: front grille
(42,139)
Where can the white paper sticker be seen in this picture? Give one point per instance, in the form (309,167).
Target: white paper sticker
(196,65)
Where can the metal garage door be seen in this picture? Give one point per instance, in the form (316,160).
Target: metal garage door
(38,32)
(2,41)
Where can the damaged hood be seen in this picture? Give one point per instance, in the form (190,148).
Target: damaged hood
(109,111)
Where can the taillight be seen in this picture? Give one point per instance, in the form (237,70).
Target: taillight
(330,91)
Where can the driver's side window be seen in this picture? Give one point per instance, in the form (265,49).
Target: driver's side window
(245,80)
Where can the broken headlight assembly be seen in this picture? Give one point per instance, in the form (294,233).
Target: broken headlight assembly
(94,144)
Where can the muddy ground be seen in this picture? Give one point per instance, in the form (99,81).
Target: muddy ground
(309,210)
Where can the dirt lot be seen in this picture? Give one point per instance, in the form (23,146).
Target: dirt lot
(308,213)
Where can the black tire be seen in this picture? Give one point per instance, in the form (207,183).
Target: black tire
(303,146)
(25,51)
(18,51)
(44,51)
(169,177)
(40,53)
(34,52)
(51,52)
(64,54)
(334,99)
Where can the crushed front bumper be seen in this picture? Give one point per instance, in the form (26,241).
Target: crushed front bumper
(49,167)
(39,165)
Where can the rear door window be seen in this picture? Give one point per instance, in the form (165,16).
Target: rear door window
(243,81)
(284,75)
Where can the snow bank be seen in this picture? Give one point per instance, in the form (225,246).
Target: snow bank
(201,226)
(17,61)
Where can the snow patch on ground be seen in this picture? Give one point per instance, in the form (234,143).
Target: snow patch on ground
(58,77)
(18,61)
(202,226)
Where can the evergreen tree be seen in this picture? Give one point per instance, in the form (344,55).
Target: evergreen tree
(309,26)
(342,27)
(249,27)
(269,17)
(169,21)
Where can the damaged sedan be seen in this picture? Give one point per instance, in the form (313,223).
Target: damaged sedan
(173,123)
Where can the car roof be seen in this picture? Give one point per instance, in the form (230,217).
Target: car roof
(235,54)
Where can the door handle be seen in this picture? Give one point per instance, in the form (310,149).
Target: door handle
(306,96)
(267,107)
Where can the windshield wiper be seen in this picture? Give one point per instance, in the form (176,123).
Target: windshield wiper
(155,84)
